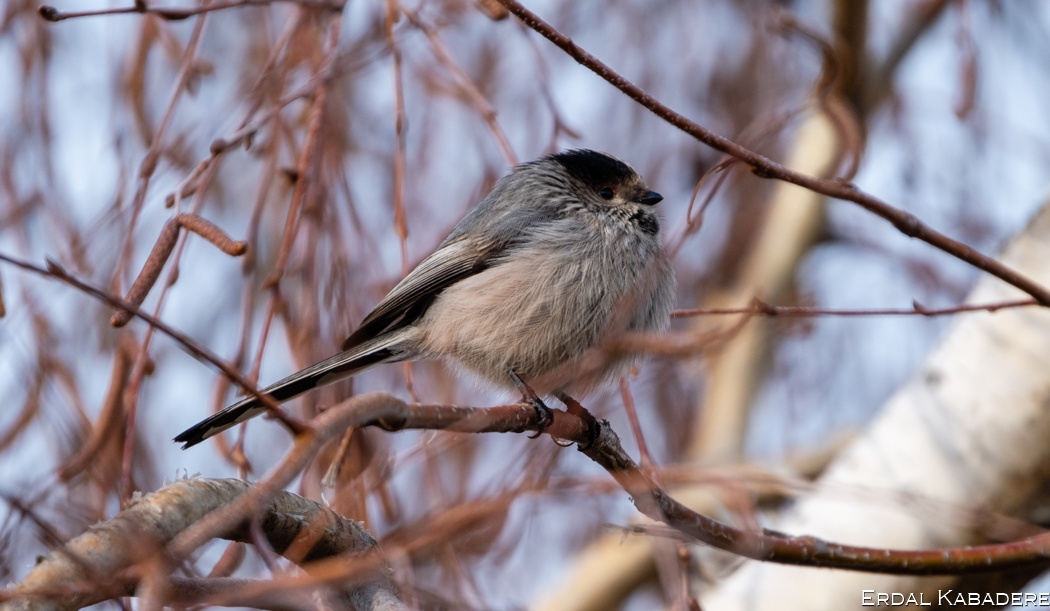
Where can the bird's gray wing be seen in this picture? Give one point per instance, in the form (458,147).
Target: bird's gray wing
(504,218)
(452,262)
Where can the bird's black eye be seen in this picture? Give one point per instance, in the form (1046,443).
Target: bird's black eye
(607,192)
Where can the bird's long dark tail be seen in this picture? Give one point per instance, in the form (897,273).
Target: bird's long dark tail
(342,365)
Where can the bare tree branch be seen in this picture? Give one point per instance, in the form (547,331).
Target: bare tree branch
(51,13)
(763,167)
(102,562)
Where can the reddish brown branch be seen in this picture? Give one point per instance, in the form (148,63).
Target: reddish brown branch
(308,165)
(763,167)
(764,309)
(775,547)
(152,156)
(246,131)
(109,417)
(308,169)
(400,218)
(831,87)
(651,500)
(138,372)
(162,249)
(392,414)
(55,271)
(967,96)
(646,458)
(150,271)
(717,174)
(51,13)
(470,90)
(920,16)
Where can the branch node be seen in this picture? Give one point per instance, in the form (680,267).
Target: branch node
(764,308)
(389,424)
(55,269)
(173,15)
(908,224)
(149,163)
(50,13)
(761,171)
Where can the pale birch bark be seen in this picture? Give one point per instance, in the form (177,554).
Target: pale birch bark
(968,431)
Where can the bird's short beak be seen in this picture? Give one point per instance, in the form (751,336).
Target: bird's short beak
(651,198)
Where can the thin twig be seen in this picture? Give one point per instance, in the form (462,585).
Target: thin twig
(51,13)
(55,271)
(138,372)
(308,165)
(307,169)
(152,156)
(920,18)
(645,457)
(764,309)
(488,113)
(242,135)
(162,250)
(400,220)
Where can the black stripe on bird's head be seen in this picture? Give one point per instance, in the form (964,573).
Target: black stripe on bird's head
(594,169)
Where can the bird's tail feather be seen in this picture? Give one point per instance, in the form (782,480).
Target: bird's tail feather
(342,365)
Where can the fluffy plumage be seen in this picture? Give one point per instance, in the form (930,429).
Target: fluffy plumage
(563,254)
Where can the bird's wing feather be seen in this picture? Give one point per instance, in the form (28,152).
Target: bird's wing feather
(413,295)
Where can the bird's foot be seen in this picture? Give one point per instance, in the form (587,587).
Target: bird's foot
(594,428)
(544,415)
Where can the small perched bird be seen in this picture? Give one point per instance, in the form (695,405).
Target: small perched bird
(563,255)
